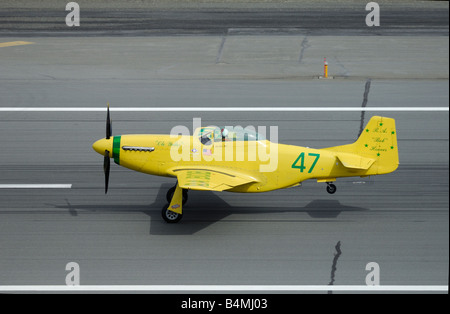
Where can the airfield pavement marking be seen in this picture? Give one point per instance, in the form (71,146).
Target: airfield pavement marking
(35,186)
(285,288)
(15,43)
(218,109)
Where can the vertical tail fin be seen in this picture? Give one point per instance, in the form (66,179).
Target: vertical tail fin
(377,142)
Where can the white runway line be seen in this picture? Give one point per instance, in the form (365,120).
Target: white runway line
(35,186)
(216,109)
(250,288)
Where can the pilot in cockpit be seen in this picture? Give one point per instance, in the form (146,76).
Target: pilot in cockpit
(224,133)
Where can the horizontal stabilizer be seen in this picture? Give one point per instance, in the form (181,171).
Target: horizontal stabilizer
(356,162)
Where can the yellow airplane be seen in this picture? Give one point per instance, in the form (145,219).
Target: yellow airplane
(217,159)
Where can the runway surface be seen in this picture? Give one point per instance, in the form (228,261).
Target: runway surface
(286,237)
(119,18)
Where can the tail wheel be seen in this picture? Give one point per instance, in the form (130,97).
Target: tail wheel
(331,188)
(169,195)
(170,216)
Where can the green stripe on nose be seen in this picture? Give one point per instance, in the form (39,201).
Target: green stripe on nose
(116,149)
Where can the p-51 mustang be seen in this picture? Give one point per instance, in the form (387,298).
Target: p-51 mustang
(208,165)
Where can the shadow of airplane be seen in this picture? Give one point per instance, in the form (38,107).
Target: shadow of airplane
(199,216)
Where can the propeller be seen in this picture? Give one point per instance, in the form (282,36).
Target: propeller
(108,125)
(106,167)
(106,160)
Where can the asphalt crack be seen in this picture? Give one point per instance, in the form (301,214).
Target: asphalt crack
(222,44)
(334,266)
(364,104)
(304,45)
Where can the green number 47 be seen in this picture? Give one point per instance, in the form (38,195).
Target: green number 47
(301,159)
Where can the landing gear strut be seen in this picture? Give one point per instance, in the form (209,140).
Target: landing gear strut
(169,195)
(331,188)
(174,216)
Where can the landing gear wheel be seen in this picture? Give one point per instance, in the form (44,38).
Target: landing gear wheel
(169,195)
(331,188)
(170,216)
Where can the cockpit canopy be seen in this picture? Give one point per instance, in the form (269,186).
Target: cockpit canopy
(208,135)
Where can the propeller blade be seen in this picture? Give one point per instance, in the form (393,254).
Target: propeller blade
(108,125)
(106,167)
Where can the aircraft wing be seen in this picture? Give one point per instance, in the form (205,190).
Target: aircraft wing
(211,178)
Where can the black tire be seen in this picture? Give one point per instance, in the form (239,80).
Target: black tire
(169,195)
(331,188)
(170,216)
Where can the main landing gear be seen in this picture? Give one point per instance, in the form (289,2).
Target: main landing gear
(331,188)
(171,216)
(170,192)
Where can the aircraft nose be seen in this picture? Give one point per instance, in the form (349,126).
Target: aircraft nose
(102,145)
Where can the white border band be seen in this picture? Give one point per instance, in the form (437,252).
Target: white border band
(225,288)
(218,109)
(35,186)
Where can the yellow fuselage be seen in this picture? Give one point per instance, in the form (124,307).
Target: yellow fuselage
(275,166)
